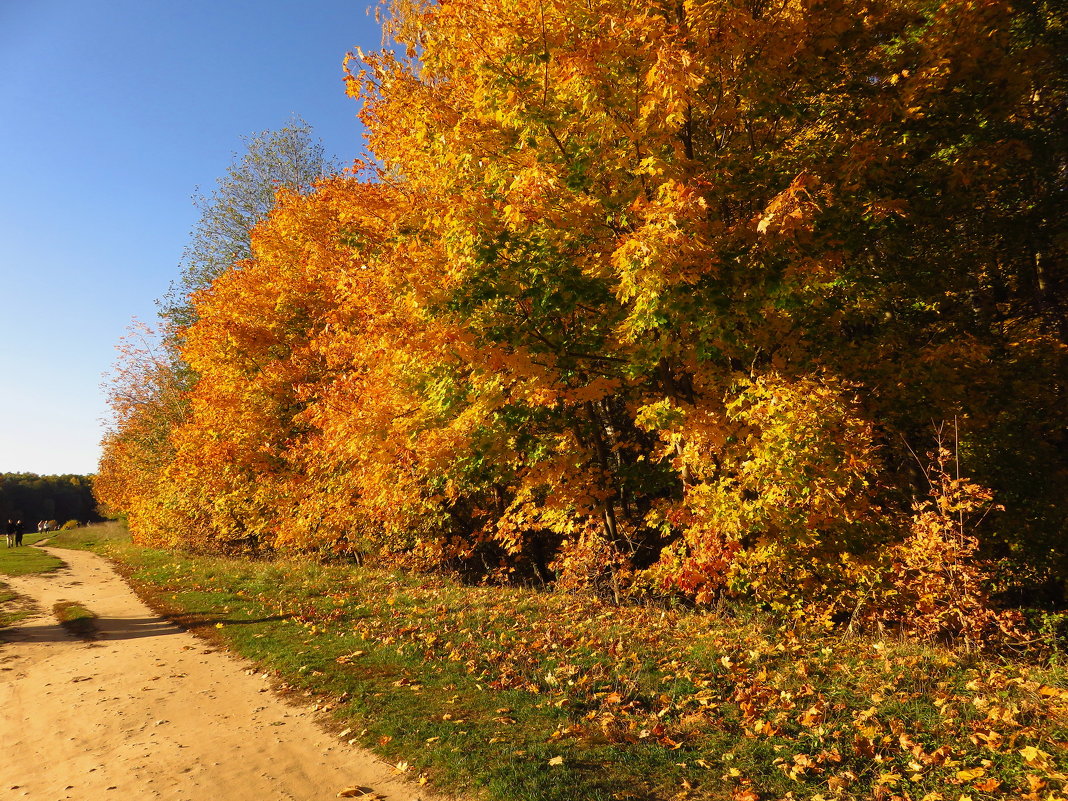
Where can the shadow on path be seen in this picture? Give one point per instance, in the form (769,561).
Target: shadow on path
(106,629)
(121,628)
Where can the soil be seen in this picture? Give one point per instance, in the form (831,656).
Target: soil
(145,710)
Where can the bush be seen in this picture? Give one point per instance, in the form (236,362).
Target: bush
(69,525)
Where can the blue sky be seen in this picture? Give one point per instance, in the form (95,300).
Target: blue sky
(112,114)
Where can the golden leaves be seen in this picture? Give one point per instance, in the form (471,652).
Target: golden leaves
(791,212)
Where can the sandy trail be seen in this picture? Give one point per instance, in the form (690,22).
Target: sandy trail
(148,711)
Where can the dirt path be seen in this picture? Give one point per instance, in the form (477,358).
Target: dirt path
(148,711)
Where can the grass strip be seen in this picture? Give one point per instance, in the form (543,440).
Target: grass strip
(23,560)
(547,697)
(96,537)
(76,619)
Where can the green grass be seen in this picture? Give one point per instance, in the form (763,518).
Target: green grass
(20,561)
(490,688)
(96,537)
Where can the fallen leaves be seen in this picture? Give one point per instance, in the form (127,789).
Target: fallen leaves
(636,674)
(829,716)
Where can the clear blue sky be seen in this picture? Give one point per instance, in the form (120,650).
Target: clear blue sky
(112,113)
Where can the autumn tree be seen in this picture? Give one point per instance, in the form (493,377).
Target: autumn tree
(644,211)
(254,349)
(151,384)
(661,298)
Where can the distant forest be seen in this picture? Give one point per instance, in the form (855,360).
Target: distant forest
(31,498)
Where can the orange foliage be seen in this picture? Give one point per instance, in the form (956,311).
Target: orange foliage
(642,297)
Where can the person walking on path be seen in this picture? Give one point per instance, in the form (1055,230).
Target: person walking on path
(19,530)
(10,531)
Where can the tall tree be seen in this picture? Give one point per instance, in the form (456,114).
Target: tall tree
(289,158)
(151,383)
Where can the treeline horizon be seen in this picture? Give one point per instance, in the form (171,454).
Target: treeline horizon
(763,301)
(31,498)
